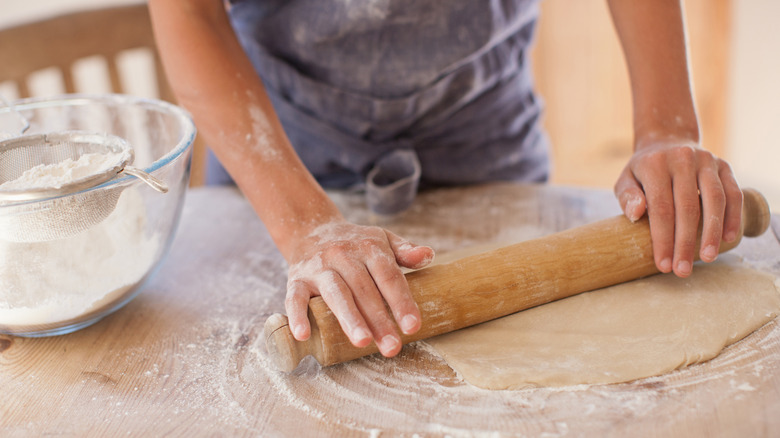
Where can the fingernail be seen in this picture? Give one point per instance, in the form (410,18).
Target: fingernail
(631,207)
(709,253)
(683,267)
(730,236)
(361,334)
(428,259)
(408,323)
(389,342)
(298,332)
(665,265)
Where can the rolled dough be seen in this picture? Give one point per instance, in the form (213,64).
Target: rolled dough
(638,329)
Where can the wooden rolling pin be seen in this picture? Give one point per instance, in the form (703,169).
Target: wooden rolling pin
(501,282)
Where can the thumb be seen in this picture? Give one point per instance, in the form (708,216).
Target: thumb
(630,196)
(408,254)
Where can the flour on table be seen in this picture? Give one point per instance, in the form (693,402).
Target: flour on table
(634,330)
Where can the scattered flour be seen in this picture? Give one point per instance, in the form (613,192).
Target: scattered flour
(66,171)
(214,374)
(56,281)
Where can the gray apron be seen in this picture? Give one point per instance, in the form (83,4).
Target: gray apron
(387,95)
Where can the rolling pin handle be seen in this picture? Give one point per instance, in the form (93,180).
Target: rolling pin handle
(755,213)
(283,349)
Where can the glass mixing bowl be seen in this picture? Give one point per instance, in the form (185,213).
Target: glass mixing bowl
(59,286)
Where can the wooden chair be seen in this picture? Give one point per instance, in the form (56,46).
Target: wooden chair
(63,41)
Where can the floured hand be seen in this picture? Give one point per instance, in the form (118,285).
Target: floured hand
(677,183)
(356,269)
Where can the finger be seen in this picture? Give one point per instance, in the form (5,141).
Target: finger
(630,196)
(297,306)
(338,297)
(371,305)
(660,213)
(687,212)
(408,254)
(713,201)
(394,288)
(733,213)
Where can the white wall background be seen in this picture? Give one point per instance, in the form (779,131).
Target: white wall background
(754,97)
(753,144)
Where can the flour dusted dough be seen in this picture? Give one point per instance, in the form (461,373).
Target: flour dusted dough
(638,329)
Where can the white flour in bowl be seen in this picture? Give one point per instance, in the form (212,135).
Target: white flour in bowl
(66,171)
(56,281)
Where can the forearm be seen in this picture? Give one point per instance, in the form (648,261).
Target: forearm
(652,34)
(212,77)
(670,177)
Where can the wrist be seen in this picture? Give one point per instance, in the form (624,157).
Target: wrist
(664,122)
(292,226)
(677,131)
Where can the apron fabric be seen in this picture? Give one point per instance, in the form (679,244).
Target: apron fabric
(411,92)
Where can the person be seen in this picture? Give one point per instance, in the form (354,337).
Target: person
(297,95)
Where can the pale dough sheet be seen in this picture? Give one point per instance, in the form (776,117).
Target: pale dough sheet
(639,329)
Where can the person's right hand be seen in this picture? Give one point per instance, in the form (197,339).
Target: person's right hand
(356,270)
(677,183)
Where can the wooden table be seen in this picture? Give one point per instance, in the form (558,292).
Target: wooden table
(186,357)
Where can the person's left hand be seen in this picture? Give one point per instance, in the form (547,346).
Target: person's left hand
(677,183)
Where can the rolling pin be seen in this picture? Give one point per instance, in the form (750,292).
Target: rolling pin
(487,286)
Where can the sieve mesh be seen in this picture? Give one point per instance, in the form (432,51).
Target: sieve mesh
(57,218)
(36,212)
(21,154)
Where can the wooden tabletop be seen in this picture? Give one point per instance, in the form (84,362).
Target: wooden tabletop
(186,357)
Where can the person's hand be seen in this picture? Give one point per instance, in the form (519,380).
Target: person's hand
(356,270)
(677,183)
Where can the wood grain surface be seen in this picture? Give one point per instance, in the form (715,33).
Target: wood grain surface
(186,357)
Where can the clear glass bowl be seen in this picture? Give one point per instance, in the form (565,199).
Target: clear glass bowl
(59,286)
